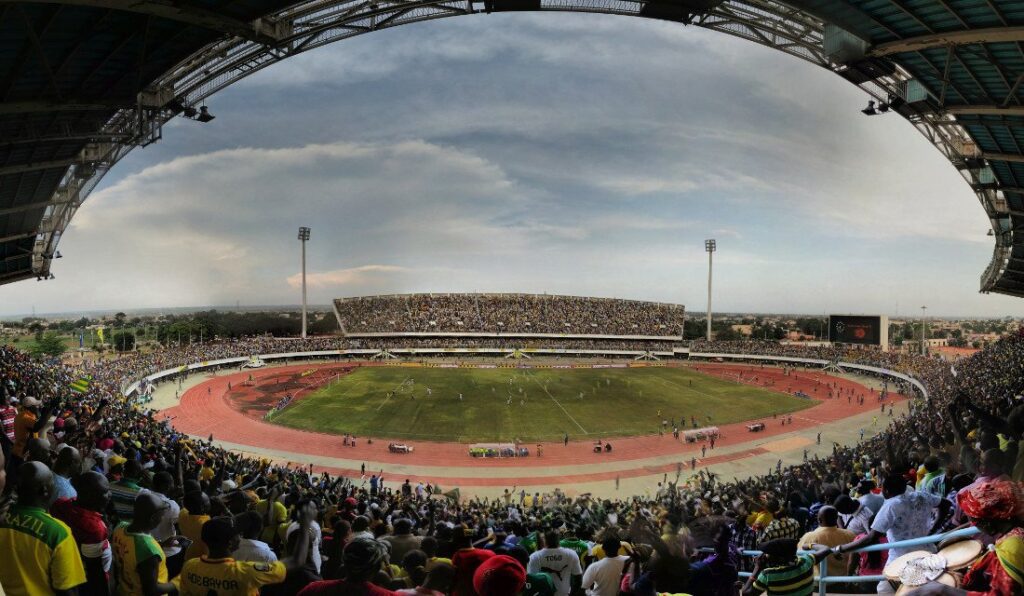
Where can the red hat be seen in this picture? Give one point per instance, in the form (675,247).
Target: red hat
(500,575)
(995,500)
(350,502)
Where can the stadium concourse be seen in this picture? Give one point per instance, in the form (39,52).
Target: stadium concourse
(951,459)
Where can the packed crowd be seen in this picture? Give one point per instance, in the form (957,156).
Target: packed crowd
(511,343)
(509,313)
(100,498)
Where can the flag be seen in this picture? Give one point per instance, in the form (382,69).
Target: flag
(99,332)
(81,385)
(454,495)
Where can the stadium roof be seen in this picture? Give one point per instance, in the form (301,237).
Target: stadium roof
(82,82)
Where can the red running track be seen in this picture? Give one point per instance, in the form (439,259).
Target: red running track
(206,409)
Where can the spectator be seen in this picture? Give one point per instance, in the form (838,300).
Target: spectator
(250,548)
(84,515)
(364,560)
(830,535)
(141,564)
(602,578)
(403,540)
(238,578)
(39,552)
(559,563)
(781,571)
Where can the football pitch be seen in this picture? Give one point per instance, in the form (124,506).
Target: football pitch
(528,404)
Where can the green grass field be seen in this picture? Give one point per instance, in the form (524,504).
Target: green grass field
(545,403)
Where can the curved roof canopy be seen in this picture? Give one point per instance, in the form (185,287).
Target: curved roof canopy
(82,82)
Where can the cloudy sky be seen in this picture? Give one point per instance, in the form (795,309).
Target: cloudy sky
(560,153)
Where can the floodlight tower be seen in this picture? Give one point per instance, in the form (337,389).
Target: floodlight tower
(923,309)
(303,236)
(710,246)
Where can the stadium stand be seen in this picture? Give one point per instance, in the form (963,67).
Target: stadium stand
(955,459)
(519,314)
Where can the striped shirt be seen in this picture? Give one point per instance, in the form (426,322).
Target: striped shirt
(795,579)
(7,414)
(122,495)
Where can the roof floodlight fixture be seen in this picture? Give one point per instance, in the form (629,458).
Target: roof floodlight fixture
(204,115)
(303,237)
(710,246)
(870,110)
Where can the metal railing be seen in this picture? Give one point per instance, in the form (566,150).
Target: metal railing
(824,579)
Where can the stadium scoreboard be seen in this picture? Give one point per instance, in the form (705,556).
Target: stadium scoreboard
(869,330)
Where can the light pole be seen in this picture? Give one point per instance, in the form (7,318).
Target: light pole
(303,236)
(923,309)
(709,245)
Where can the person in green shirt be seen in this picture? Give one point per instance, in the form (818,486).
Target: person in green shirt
(139,559)
(529,542)
(572,541)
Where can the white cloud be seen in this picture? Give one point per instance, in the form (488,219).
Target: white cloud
(354,276)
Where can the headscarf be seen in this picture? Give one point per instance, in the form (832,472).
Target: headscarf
(992,500)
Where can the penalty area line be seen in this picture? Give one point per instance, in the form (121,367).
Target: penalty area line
(394,391)
(558,403)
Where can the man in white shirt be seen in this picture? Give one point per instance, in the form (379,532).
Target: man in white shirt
(559,563)
(602,578)
(854,515)
(250,548)
(905,514)
(869,499)
(314,530)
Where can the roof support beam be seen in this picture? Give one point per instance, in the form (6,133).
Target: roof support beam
(58,138)
(951,38)
(27,207)
(34,167)
(985,110)
(14,276)
(21,236)
(10,258)
(1007,157)
(182,13)
(30,107)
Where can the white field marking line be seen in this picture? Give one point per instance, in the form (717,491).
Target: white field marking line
(393,391)
(557,403)
(674,384)
(353,386)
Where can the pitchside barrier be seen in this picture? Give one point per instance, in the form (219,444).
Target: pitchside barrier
(824,579)
(132,387)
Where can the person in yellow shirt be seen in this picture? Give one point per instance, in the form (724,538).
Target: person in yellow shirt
(195,513)
(218,573)
(139,561)
(829,534)
(275,518)
(28,423)
(39,554)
